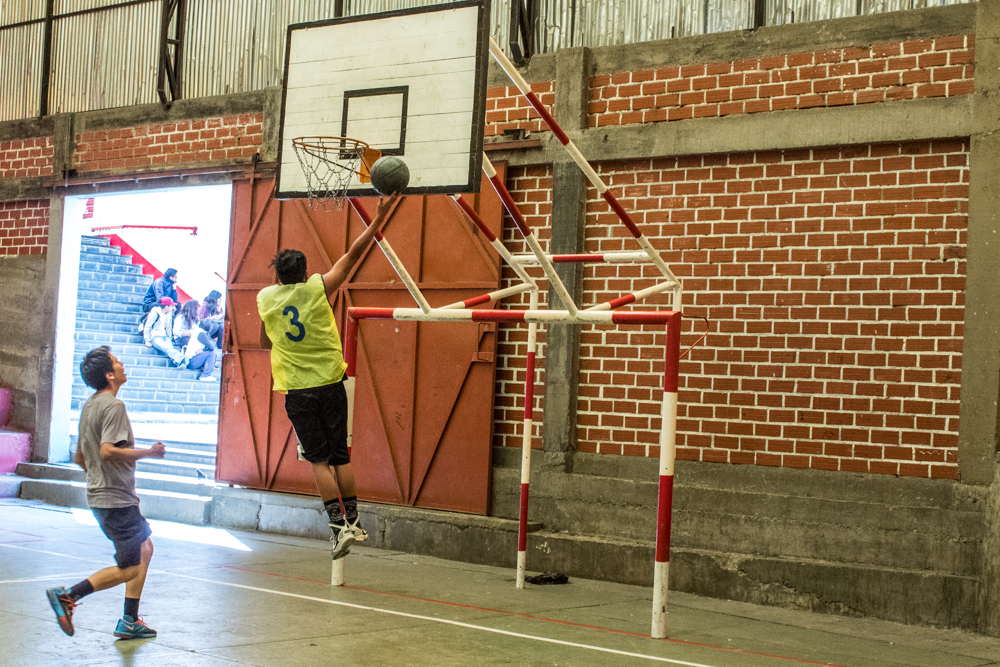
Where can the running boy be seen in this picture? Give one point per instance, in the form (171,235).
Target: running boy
(106,451)
(307,365)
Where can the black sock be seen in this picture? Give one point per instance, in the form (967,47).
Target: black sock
(82,589)
(351,509)
(334,511)
(132,608)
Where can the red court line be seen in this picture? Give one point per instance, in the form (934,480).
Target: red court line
(20,541)
(541,618)
(17,532)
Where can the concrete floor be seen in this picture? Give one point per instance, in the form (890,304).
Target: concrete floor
(218,606)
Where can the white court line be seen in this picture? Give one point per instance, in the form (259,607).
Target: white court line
(50,577)
(548,640)
(52,553)
(447,622)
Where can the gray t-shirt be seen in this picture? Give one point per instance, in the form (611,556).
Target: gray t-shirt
(109,484)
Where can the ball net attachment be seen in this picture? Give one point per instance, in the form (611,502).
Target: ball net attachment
(330,165)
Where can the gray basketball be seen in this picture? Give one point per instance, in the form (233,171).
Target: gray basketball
(390,174)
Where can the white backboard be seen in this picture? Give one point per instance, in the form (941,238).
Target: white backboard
(411,83)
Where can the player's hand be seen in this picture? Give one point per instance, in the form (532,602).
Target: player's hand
(385,204)
(157,451)
(148,344)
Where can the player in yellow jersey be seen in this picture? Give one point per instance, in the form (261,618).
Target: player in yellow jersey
(307,365)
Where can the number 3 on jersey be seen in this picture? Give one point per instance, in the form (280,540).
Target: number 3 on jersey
(295,323)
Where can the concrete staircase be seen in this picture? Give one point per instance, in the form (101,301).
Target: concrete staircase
(160,399)
(109,304)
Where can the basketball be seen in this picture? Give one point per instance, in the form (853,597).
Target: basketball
(390,174)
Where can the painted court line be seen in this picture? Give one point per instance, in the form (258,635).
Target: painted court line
(51,577)
(541,618)
(52,553)
(470,626)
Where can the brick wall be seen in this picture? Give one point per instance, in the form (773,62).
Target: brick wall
(26,158)
(833,280)
(506,108)
(940,67)
(24,227)
(531,188)
(159,145)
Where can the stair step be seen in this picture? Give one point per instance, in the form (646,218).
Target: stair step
(95,240)
(173,444)
(96,284)
(96,264)
(87,250)
(191,508)
(158,406)
(117,278)
(176,468)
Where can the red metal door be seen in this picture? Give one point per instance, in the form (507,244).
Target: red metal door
(424,397)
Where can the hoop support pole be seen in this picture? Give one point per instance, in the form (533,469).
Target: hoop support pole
(631,298)
(587,258)
(489,297)
(394,260)
(668,450)
(574,152)
(550,271)
(337,572)
(537,316)
(529,415)
(495,242)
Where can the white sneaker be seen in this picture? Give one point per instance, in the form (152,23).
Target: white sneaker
(343,539)
(360,534)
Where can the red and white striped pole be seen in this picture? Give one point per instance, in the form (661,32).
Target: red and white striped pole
(668,450)
(529,414)
(577,156)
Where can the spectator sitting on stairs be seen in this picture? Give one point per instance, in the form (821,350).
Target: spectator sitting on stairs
(186,323)
(158,330)
(210,311)
(159,288)
(200,354)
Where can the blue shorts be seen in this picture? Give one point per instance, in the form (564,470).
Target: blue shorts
(127,528)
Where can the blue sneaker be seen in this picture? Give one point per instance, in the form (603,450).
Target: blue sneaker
(62,605)
(130,628)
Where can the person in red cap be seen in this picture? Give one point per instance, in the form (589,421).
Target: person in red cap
(158,330)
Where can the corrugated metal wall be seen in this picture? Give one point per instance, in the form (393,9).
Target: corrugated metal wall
(108,58)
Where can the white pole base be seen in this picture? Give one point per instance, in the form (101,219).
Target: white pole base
(660,600)
(521,559)
(337,575)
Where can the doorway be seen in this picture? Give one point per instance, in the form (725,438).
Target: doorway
(114,247)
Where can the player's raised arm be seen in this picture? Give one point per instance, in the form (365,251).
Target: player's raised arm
(338,274)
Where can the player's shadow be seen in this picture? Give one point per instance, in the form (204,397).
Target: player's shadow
(128,649)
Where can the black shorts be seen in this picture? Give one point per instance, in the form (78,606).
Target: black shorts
(127,528)
(319,416)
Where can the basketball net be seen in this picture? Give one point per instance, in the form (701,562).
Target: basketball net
(330,164)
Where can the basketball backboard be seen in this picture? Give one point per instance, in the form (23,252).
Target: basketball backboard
(410,83)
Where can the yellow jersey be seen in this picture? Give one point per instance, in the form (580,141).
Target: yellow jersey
(306,350)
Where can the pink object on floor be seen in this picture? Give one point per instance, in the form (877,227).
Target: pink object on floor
(15,448)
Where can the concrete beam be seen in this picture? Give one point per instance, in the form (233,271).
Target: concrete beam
(201,107)
(889,122)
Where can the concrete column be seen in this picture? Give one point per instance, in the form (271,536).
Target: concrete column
(62,155)
(979,422)
(569,188)
(41,451)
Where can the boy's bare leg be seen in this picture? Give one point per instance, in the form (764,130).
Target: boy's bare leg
(134,577)
(133,588)
(345,478)
(326,481)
